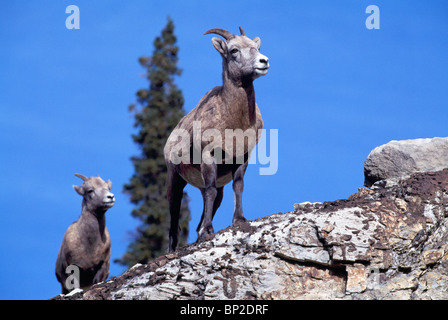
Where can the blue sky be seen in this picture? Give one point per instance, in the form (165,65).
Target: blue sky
(335,91)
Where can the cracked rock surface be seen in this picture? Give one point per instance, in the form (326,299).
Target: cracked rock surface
(380,243)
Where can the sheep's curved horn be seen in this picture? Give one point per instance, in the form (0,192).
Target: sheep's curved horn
(223,33)
(84,178)
(242,31)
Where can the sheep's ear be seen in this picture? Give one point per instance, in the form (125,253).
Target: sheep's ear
(220,45)
(257,40)
(79,189)
(109,184)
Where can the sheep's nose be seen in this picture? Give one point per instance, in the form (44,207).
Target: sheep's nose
(110,196)
(264,60)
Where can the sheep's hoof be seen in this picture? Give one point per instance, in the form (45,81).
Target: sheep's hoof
(205,237)
(205,234)
(239,221)
(243,225)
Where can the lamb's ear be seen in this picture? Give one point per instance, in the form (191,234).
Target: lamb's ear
(109,184)
(220,45)
(257,40)
(79,190)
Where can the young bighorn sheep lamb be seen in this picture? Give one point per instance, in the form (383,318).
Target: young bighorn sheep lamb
(230,106)
(86,243)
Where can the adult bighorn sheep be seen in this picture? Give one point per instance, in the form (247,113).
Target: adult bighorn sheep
(223,110)
(86,243)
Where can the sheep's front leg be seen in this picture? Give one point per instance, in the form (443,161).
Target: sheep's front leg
(238,186)
(218,200)
(209,193)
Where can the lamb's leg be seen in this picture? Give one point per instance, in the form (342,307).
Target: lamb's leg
(102,273)
(175,188)
(64,289)
(209,193)
(238,186)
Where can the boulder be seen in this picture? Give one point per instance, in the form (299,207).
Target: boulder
(397,160)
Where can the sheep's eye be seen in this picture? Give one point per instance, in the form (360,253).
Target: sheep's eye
(90,191)
(235,50)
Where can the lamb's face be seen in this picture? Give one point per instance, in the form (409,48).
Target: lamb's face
(244,58)
(96,193)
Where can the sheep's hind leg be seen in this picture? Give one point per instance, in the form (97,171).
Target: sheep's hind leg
(238,186)
(218,200)
(175,188)
(209,194)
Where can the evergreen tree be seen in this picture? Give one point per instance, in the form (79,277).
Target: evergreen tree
(157,112)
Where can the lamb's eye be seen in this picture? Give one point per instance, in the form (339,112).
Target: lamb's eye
(235,50)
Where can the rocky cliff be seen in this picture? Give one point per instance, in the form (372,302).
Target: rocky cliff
(386,242)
